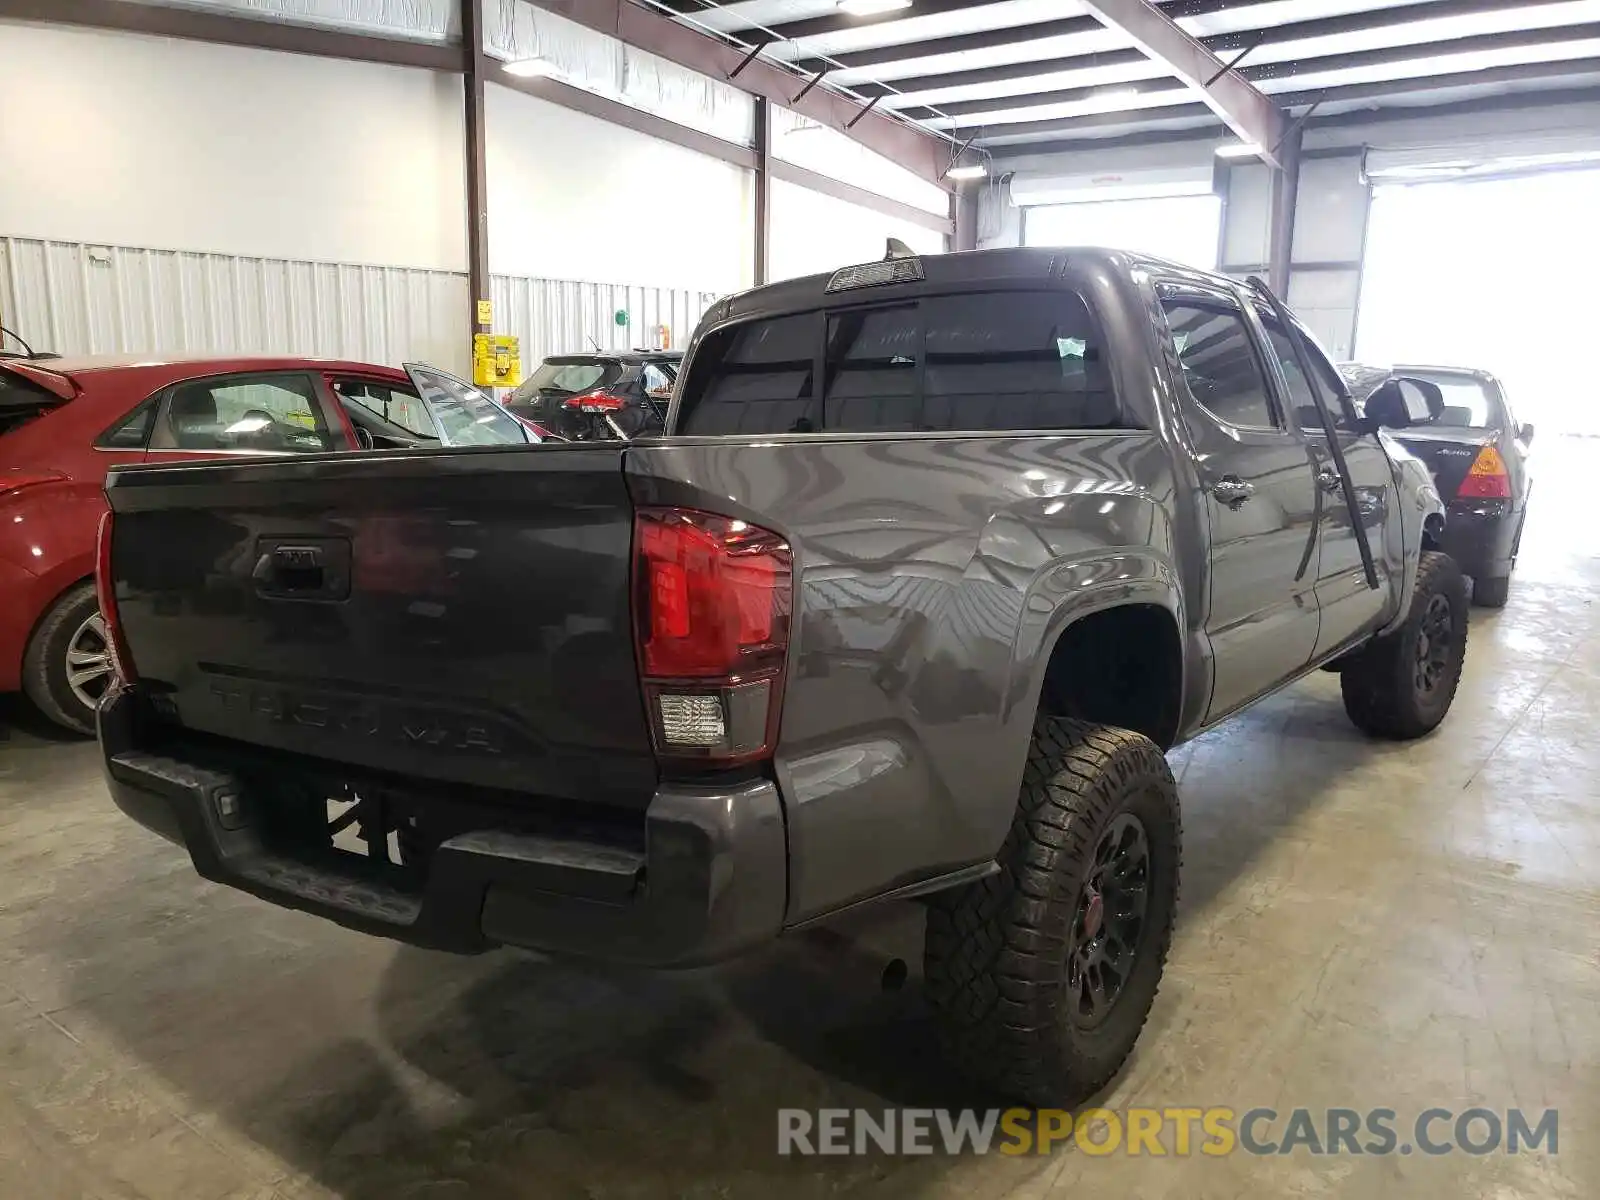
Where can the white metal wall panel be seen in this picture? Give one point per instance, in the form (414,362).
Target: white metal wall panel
(553,316)
(75,298)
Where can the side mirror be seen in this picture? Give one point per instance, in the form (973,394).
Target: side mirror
(363,438)
(1401,402)
(1525,432)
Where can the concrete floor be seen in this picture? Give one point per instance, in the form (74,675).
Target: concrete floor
(1363,925)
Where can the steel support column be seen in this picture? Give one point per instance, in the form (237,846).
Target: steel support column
(475,67)
(964,205)
(1285,193)
(763,148)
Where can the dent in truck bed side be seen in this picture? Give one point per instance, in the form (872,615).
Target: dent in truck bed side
(933,574)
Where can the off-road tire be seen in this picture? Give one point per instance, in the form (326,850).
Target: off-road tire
(996,957)
(44,676)
(1379,686)
(1492,592)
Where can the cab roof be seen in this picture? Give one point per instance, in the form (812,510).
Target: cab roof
(969,268)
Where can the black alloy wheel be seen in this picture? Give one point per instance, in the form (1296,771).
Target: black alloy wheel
(1435,640)
(1108,921)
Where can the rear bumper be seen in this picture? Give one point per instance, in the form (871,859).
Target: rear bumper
(1480,536)
(710,882)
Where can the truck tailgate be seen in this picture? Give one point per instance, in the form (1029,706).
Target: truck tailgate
(460,615)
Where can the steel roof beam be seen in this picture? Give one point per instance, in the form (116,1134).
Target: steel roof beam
(917,150)
(1011,35)
(1225,43)
(1288,69)
(1576,69)
(840,22)
(1247,110)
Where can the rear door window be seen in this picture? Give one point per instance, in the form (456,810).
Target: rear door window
(1219,362)
(976,362)
(250,413)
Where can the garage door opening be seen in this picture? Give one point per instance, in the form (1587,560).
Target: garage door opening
(1494,274)
(1183,228)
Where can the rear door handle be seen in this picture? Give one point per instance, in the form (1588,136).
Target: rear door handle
(1329,480)
(1232,491)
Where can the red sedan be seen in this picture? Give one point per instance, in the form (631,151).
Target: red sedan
(64,422)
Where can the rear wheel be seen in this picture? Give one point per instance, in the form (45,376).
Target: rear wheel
(67,665)
(1041,976)
(1402,684)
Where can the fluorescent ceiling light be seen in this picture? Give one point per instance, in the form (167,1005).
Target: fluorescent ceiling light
(871,8)
(975,171)
(1238,150)
(531,68)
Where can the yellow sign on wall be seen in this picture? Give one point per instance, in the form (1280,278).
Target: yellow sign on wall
(496,360)
(485,312)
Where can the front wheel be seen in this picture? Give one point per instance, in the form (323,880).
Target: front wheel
(1041,975)
(1401,685)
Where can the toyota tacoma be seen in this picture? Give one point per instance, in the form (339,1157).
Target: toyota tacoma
(936,558)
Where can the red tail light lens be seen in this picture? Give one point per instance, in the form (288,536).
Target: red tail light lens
(1487,478)
(106,593)
(713,601)
(594,402)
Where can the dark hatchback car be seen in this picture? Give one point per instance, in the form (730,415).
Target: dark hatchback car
(1478,454)
(599,397)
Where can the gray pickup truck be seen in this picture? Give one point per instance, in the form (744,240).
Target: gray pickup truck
(938,556)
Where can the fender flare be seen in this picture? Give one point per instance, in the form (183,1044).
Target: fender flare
(1085,587)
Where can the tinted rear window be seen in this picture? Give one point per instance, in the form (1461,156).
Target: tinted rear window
(21,400)
(1467,403)
(977,362)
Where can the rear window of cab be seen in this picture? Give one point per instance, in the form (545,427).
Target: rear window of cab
(975,362)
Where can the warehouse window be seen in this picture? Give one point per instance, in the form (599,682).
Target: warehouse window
(978,362)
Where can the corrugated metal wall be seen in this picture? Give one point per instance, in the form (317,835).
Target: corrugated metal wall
(554,316)
(77,298)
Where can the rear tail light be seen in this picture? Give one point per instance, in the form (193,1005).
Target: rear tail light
(1487,478)
(713,597)
(594,402)
(105,588)
(15,479)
